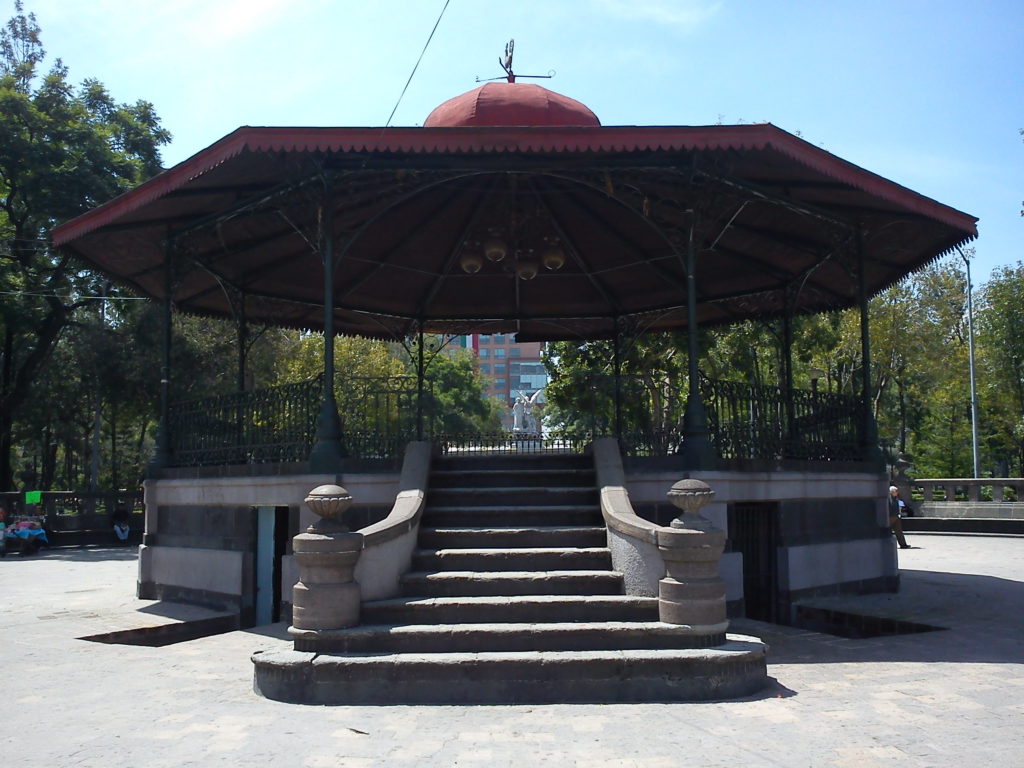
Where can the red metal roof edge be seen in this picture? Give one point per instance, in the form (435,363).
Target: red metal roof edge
(163,183)
(512,139)
(825,162)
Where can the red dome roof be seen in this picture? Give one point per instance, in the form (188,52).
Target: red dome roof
(510,104)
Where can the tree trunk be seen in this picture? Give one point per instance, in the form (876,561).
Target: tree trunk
(16,384)
(140,446)
(48,470)
(114,462)
(6,417)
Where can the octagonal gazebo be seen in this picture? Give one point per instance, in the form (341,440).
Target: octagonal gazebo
(514,210)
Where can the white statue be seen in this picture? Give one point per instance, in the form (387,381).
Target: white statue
(531,417)
(519,413)
(524,420)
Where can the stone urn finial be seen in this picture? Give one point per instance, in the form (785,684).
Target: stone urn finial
(690,496)
(329,502)
(692,594)
(326,596)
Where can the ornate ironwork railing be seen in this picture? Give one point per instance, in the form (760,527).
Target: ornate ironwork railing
(468,444)
(644,412)
(276,424)
(381,414)
(752,422)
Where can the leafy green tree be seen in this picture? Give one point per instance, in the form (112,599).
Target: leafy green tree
(581,396)
(457,400)
(750,351)
(62,151)
(376,386)
(1000,325)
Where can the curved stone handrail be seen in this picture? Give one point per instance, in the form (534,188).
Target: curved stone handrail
(678,564)
(632,540)
(388,544)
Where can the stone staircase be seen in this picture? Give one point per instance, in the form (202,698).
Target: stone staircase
(512,599)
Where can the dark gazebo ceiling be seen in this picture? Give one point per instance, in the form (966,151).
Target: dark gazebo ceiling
(777,225)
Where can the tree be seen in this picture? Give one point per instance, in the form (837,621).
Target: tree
(1001,362)
(581,396)
(457,399)
(376,386)
(62,151)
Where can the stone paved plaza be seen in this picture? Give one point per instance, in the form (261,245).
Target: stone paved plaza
(953,697)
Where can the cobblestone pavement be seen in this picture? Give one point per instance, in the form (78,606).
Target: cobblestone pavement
(951,697)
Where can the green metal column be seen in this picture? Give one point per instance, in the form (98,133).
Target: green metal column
(243,341)
(787,374)
(420,375)
(872,452)
(162,454)
(328,452)
(697,452)
(618,381)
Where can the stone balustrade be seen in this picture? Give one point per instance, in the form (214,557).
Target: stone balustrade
(969,489)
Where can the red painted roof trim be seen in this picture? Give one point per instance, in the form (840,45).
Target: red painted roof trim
(495,140)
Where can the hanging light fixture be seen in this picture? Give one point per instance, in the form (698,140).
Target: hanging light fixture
(526,270)
(471,263)
(553,259)
(495,250)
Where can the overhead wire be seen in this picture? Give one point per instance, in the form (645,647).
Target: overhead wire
(417,64)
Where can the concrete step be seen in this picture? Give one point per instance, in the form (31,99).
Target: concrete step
(458,638)
(440,516)
(513,496)
(518,609)
(536,536)
(520,559)
(511,478)
(454,583)
(734,669)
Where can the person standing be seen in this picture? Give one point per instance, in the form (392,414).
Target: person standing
(896,506)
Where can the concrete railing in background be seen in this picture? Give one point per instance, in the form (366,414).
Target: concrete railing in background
(988,505)
(968,489)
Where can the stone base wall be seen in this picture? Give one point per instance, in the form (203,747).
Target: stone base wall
(832,529)
(198,546)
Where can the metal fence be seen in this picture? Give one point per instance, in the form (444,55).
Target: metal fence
(761,422)
(506,443)
(73,510)
(275,424)
(644,412)
(380,415)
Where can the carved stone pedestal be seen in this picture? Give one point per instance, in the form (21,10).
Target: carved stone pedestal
(692,593)
(325,596)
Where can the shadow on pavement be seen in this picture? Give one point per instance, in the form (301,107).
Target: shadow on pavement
(980,617)
(78,555)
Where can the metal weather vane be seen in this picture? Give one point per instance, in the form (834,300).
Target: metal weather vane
(506,64)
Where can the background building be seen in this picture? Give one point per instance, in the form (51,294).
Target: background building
(511,368)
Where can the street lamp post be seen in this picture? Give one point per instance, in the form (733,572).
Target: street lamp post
(970,351)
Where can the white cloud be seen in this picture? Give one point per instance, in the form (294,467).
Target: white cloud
(687,14)
(187,21)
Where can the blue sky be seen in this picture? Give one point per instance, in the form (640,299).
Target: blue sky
(929,94)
